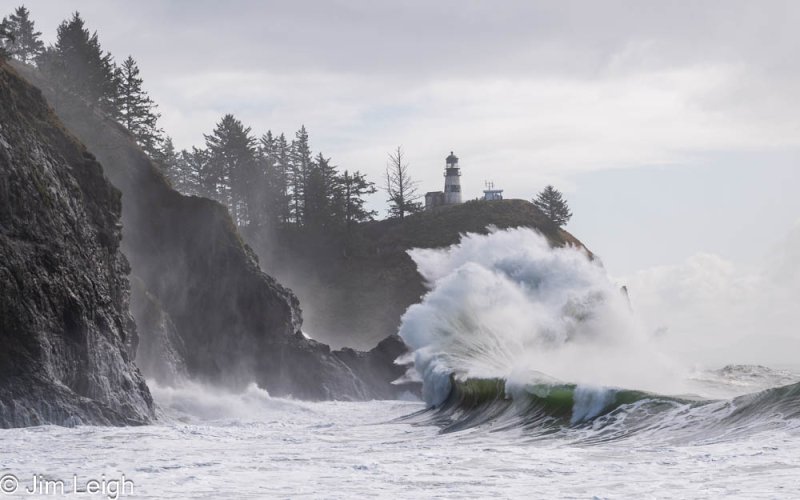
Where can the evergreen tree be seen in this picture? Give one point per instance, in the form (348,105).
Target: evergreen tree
(352,190)
(283,164)
(264,199)
(232,157)
(268,183)
(267,144)
(192,174)
(275,190)
(320,194)
(186,170)
(166,157)
(551,202)
(300,161)
(137,110)
(400,187)
(78,64)
(23,42)
(314,205)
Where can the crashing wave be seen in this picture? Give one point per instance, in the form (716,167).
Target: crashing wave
(515,334)
(502,304)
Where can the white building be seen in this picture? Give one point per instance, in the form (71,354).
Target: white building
(452,186)
(492,194)
(452,180)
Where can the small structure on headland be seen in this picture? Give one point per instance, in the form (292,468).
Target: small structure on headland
(492,194)
(452,186)
(452,180)
(434,199)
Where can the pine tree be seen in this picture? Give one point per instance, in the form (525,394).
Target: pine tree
(551,202)
(400,187)
(300,161)
(78,64)
(263,200)
(275,168)
(232,157)
(320,194)
(314,204)
(352,190)
(137,109)
(283,165)
(267,144)
(192,174)
(166,157)
(23,42)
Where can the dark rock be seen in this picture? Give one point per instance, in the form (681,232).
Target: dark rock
(161,353)
(380,369)
(355,291)
(201,286)
(68,340)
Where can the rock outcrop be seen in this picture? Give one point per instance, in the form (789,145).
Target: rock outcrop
(355,292)
(200,290)
(162,353)
(68,340)
(382,368)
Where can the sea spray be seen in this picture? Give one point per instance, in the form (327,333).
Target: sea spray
(195,401)
(590,402)
(507,304)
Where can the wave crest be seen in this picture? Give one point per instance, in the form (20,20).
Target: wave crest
(506,305)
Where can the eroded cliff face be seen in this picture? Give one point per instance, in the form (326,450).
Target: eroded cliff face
(200,291)
(356,293)
(67,340)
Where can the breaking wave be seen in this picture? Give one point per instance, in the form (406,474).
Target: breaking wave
(594,414)
(516,334)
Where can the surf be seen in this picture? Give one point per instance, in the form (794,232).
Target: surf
(513,333)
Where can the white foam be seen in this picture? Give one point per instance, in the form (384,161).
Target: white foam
(507,303)
(203,402)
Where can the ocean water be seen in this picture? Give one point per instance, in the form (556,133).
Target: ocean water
(215,444)
(539,381)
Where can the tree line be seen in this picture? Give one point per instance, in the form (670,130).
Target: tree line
(264,181)
(269,180)
(78,64)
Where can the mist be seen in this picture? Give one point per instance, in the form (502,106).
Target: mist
(400,249)
(710,311)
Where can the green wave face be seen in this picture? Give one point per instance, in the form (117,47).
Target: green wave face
(472,400)
(607,413)
(545,406)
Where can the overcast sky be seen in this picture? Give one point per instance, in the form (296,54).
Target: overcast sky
(672,127)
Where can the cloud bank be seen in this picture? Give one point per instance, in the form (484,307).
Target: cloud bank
(525,92)
(709,311)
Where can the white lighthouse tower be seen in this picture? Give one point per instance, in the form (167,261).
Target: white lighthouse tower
(452,180)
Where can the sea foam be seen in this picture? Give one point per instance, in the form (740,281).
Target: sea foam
(506,305)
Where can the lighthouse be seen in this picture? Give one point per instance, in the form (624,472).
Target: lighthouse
(452,180)
(452,186)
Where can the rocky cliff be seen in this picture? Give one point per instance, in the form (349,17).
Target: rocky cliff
(200,294)
(205,309)
(354,293)
(67,337)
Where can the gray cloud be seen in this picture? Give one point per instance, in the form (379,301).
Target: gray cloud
(526,92)
(443,38)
